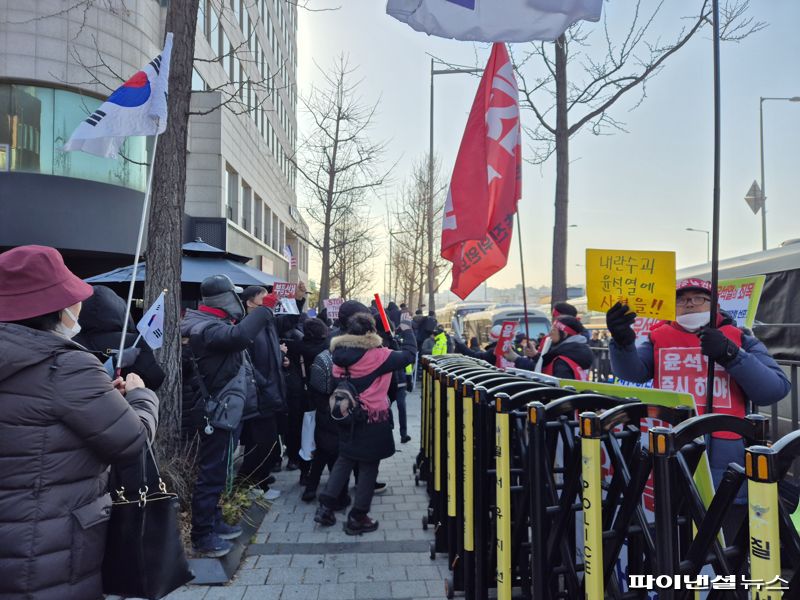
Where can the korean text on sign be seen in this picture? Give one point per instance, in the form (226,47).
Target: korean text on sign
(643,280)
(286,294)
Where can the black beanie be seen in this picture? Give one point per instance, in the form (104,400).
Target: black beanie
(348,309)
(565,309)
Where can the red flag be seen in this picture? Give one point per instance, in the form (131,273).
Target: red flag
(487,180)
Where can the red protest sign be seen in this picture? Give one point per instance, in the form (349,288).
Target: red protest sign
(507,330)
(284,290)
(686,369)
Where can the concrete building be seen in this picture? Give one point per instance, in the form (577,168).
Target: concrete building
(56,67)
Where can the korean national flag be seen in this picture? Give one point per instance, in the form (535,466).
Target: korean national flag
(494,20)
(151,325)
(138,107)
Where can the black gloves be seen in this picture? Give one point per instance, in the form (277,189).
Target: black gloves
(717,347)
(619,320)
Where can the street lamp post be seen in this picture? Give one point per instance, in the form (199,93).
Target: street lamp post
(431,290)
(763,184)
(708,240)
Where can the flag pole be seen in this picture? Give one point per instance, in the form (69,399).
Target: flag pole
(522,272)
(716,206)
(145,209)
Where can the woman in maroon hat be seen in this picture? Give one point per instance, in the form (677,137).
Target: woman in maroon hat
(62,423)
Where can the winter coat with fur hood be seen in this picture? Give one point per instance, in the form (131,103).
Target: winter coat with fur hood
(370,366)
(61,425)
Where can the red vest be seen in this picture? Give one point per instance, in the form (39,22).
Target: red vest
(681,367)
(577,372)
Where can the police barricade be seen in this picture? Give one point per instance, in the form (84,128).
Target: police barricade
(554,561)
(773,536)
(689,528)
(613,517)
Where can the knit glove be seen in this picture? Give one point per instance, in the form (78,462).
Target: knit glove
(619,319)
(270,300)
(717,347)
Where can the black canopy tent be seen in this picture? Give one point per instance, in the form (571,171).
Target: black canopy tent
(200,260)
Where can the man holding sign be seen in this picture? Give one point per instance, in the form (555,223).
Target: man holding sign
(675,356)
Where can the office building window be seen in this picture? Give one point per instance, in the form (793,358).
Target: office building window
(267,225)
(275,232)
(226,56)
(232,194)
(258,216)
(35,122)
(214,32)
(247,207)
(283,237)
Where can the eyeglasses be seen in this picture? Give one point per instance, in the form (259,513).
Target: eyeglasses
(692,301)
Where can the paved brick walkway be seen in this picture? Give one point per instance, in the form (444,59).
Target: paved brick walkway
(292,558)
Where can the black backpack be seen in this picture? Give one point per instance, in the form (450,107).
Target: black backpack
(320,376)
(345,402)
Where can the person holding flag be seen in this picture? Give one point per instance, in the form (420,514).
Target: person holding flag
(101,322)
(137,107)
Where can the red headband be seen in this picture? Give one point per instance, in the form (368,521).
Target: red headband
(565,328)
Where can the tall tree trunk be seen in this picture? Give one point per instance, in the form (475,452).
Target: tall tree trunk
(560,227)
(164,232)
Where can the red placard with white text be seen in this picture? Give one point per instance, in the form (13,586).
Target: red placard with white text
(507,330)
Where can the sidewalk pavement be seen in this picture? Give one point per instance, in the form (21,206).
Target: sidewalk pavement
(293,558)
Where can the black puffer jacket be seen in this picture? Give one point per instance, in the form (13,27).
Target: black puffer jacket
(102,318)
(218,346)
(61,426)
(268,361)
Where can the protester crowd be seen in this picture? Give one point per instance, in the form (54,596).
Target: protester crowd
(258,377)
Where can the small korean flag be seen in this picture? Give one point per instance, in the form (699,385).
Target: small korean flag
(151,325)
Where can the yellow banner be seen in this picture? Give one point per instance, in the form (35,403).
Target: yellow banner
(592,518)
(765,543)
(643,280)
(451,452)
(503,466)
(437,435)
(469,488)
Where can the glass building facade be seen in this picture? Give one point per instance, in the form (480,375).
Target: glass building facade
(36,121)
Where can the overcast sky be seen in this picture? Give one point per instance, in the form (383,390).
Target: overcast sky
(637,190)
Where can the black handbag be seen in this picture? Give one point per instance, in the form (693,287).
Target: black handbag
(144,555)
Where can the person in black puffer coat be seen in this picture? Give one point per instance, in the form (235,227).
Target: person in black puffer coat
(260,434)
(62,423)
(360,353)
(102,318)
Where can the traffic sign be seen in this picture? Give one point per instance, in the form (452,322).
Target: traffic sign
(754,198)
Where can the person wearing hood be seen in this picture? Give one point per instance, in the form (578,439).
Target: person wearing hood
(393,313)
(569,355)
(63,421)
(745,369)
(102,319)
(359,354)
(218,336)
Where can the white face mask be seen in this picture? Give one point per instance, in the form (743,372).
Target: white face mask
(694,321)
(68,332)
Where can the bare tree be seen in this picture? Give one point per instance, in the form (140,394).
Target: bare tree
(409,227)
(352,251)
(563,105)
(337,162)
